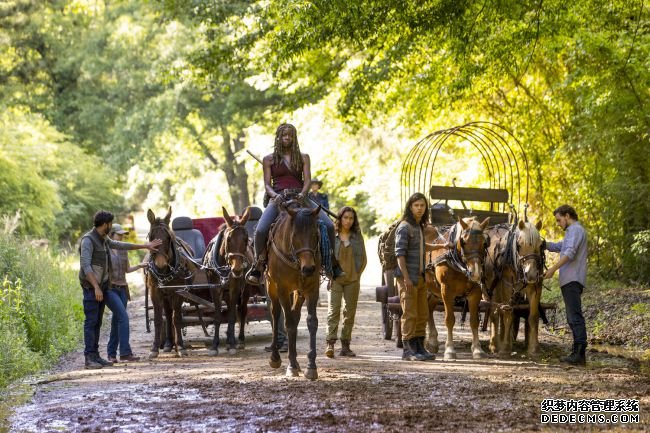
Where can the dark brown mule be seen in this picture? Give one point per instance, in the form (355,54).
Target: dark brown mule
(170,265)
(292,278)
(459,273)
(227,262)
(514,265)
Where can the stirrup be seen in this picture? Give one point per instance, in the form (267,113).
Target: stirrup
(254,277)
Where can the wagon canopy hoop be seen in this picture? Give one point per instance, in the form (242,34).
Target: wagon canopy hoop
(502,155)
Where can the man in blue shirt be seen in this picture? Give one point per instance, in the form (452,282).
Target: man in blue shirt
(573,275)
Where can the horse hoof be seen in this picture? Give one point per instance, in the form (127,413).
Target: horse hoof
(431,347)
(167,349)
(183,352)
(213,352)
(293,372)
(450,356)
(153,355)
(311,374)
(481,355)
(275,364)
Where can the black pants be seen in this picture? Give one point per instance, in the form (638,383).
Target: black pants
(571,293)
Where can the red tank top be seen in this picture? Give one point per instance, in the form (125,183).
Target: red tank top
(284,178)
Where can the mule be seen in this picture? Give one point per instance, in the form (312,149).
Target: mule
(170,265)
(459,272)
(515,266)
(227,259)
(293,278)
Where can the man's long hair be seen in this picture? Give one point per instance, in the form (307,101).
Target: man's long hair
(355,225)
(296,156)
(408,214)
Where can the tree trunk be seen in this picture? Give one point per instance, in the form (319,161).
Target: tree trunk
(235,171)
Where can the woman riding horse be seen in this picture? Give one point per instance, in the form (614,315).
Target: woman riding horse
(285,170)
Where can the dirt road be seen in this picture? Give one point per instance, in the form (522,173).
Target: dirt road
(375,391)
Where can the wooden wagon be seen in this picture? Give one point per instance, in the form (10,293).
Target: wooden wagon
(198,307)
(501,194)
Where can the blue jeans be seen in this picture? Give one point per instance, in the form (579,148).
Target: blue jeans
(93,312)
(271,214)
(116,300)
(571,293)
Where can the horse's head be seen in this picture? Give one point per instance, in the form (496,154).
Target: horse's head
(160,230)
(235,243)
(529,251)
(304,237)
(472,243)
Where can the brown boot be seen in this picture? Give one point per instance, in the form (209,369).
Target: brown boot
(329,352)
(345,349)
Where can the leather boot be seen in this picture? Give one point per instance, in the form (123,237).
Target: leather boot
(329,351)
(254,275)
(577,356)
(423,351)
(410,352)
(104,363)
(91,364)
(345,349)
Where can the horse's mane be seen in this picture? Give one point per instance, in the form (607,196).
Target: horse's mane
(531,234)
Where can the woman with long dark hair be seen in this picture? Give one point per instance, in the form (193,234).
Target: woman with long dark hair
(410,251)
(286,169)
(350,252)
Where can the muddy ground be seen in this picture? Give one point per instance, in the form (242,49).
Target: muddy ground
(376,391)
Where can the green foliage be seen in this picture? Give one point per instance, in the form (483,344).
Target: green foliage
(54,185)
(40,308)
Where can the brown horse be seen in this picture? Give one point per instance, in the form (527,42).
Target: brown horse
(227,259)
(514,264)
(293,278)
(170,265)
(459,272)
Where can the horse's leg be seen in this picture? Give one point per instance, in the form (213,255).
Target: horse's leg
(450,320)
(493,314)
(533,292)
(505,344)
(312,325)
(473,300)
(232,313)
(291,319)
(432,341)
(157,322)
(168,342)
(177,305)
(216,294)
(272,292)
(243,311)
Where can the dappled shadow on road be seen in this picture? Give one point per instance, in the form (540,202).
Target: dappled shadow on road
(375,391)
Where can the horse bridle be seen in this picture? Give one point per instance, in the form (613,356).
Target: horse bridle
(539,263)
(478,253)
(292,260)
(227,254)
(164,277)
